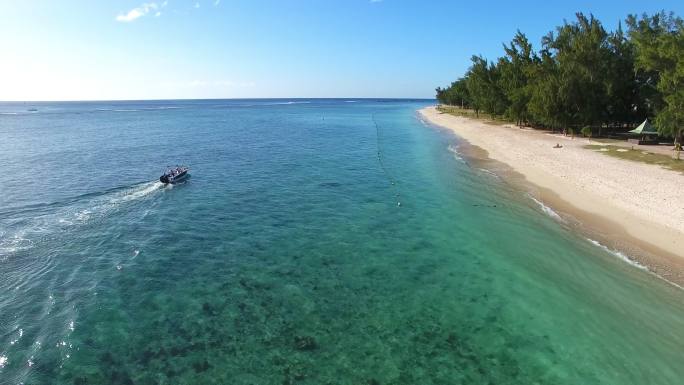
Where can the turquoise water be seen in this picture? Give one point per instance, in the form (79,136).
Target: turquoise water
(287,259)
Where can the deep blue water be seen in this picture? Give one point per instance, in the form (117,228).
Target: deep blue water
(317,242)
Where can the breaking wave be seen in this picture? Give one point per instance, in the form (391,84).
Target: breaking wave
(618,254)
(631,262)
(546,209)
(457,155)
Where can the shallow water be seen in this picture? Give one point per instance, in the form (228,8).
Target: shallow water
(287,259)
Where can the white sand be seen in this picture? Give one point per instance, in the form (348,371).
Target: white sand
(644,199)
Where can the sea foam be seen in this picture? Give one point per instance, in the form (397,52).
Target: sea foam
(618,254)
(454,150)
(546,209)
(631,262)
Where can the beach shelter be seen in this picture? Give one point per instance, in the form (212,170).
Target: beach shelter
(644,128)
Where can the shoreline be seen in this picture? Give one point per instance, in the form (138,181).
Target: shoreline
(602,200)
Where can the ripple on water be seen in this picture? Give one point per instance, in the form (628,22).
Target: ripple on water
(286,261)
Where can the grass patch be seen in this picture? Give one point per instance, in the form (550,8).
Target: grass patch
(607,140)
(639,156)
(468,113)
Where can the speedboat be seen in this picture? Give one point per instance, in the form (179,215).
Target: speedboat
(175,175)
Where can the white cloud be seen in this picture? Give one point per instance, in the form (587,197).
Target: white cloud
(216,2)
(141,11)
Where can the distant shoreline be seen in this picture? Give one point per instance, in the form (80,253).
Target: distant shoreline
(628,207)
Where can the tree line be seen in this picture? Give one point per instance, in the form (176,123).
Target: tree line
(584,76)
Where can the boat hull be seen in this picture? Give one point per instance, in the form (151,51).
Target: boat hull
(168,179)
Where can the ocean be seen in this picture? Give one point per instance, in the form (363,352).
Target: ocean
(321,241)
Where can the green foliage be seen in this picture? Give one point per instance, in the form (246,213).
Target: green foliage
(581,51)
(659,41)
(483,87)
(545,105)
(516,70)
(583,76)
(639,155)
(455,95)
(586,131)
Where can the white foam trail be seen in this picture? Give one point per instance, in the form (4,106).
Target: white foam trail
(125,110)
(546,209)
(631,261)
(457,155)
(350,101)
(80,214)
(14,243)
(9,113)
(489,172)
(83,215)
(619,255)
(137,193)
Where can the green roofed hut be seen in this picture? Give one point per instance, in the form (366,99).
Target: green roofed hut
(646,132)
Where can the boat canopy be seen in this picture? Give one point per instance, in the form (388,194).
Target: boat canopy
(645,128)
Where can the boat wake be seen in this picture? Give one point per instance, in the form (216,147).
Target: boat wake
(137,192)
(25,226)
(52,259)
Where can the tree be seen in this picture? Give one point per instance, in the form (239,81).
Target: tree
(483,88)
(581,51)
(659,41)
(625,104)
(584,76)
(545,105)
(516,68)
(459,92)
(455,95)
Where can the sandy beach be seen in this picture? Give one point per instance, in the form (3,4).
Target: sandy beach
(630,207)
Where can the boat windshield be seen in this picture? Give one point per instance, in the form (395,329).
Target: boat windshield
(175,171)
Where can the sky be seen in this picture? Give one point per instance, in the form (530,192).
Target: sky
(179,49)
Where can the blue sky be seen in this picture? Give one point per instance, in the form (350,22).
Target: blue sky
(132,49)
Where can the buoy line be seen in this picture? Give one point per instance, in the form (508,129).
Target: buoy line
(387,174)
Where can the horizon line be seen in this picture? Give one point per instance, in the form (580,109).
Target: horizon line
(197,99)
